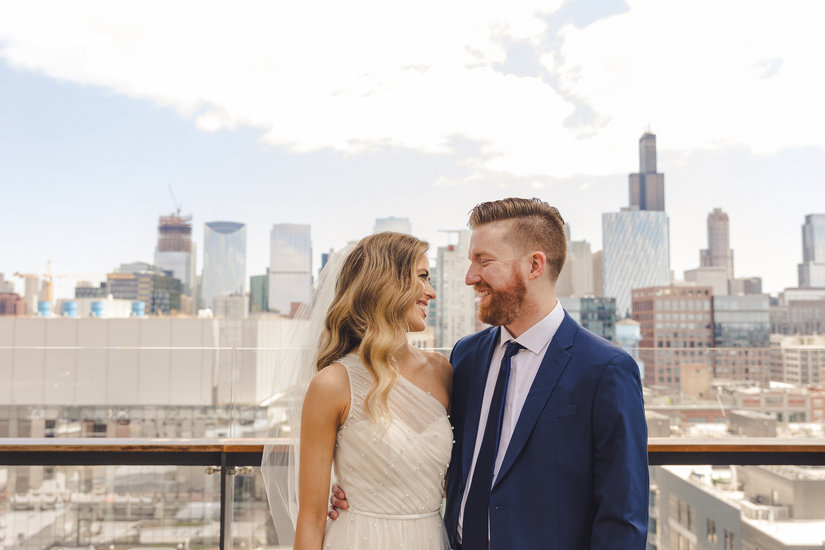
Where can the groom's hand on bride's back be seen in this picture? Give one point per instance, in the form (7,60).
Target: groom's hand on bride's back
(337,500)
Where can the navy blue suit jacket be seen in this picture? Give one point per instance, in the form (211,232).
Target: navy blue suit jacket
(575,474)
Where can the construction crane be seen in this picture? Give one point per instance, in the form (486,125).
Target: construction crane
(174,200)
(48,278)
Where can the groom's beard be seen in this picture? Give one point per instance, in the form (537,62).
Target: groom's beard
(504,304)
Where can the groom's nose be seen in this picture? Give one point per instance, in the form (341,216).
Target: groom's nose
(472,277)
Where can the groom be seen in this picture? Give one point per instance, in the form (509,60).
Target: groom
(550,445)
(551,440)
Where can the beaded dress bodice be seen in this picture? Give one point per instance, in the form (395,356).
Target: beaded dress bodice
(393,475)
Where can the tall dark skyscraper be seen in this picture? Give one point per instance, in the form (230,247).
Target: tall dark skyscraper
(636,240)
(812,268)
(647,188)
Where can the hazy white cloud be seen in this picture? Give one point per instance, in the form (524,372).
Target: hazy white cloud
(704,74)
(358,75)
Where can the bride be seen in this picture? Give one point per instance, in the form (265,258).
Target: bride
(376,410)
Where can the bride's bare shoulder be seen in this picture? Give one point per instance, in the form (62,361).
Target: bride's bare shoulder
(330,378)
(440,366)
(330,386)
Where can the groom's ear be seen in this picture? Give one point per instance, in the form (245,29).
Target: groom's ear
(538,264)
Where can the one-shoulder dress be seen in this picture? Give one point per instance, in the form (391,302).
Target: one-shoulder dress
(393,476)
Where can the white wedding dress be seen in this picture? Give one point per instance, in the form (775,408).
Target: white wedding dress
(393,479)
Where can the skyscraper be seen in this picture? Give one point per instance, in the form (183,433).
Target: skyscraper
(647,188)
(812,268)
(290,266)
(598,274)
(224,260)
(175,250)
(259,293)
(576,277)
(399,225)
(636,240)
(635,254)
(718,253)
(456,313)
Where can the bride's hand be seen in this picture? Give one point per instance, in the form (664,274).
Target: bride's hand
(337,500)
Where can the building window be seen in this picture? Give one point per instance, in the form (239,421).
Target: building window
(711,530)
(728,540)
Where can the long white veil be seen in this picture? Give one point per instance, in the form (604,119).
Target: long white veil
(293,372)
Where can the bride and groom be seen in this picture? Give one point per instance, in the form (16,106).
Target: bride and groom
(545,443)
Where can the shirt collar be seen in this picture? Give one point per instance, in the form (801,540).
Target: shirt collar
(539,335)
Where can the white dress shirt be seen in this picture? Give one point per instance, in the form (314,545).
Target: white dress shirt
(523,368)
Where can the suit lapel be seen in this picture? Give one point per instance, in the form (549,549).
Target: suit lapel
(478,380)
(552,367)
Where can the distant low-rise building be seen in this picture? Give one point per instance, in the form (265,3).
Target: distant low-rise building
(715,277)
(658,425)
(598,315)
(745,285)
(798,359)
(741,334)
(235,306)
(12,304)
(784,402)
(738,507)
(87,290)
(751,424)
(798,317)
(139,281)
(677,326)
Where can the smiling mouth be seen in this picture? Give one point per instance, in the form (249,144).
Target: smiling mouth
(423,307)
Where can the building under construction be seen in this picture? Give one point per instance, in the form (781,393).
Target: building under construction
(175,251)
(175,234)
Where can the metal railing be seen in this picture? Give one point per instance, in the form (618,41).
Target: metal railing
(230,457)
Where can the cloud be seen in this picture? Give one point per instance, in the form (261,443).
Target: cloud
(698,72)
(358,76)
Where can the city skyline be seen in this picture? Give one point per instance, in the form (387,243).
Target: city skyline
(64,288)
(89,145)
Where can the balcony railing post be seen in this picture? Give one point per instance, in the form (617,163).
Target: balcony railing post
(227,494)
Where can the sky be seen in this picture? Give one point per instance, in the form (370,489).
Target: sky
(334,114)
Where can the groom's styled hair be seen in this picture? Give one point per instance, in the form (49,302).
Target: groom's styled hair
(536,225)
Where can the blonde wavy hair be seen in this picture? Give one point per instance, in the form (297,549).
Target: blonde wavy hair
(376,287)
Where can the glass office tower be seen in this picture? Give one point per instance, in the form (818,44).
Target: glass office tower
(635,254)
(290,267)
(224,260)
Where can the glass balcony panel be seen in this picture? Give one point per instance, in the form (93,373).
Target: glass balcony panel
(109,507)
(244,392)
(251,523)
